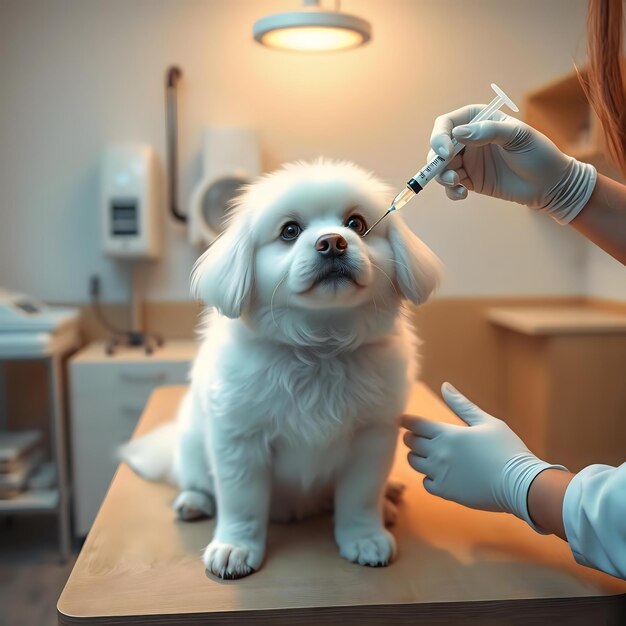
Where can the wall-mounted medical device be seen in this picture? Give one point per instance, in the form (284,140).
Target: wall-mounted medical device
(29,327)
(129,208)
(20,313)
(230,159)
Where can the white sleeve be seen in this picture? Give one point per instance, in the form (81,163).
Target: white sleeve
(594,516)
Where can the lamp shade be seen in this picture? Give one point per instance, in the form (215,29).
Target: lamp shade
(312,30)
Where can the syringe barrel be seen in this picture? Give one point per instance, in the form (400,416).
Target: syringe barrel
(438,164)
(429,171)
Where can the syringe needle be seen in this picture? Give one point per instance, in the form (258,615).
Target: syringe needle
(398,202)
(379,220)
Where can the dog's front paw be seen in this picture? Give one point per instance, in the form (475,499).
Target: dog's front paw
(231,561)
(375,549)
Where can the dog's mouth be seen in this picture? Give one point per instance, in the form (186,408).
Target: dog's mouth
(334,276)
(336,273)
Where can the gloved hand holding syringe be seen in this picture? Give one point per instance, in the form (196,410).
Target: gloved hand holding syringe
(434,167)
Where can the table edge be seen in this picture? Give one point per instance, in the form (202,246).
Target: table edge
(364,614)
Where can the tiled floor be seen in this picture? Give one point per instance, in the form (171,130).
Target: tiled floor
(31,574)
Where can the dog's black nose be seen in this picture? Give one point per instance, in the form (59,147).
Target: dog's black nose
(331,245)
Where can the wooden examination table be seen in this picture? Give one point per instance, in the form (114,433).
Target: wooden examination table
(455,565)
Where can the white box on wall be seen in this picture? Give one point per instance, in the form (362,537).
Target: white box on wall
(129,206)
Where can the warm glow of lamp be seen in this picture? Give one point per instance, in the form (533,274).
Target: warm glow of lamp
(312,30)
(311,39)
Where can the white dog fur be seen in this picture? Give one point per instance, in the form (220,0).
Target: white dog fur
(299,379)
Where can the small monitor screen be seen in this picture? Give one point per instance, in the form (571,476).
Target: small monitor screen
(125,217)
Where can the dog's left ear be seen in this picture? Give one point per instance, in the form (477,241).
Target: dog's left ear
(418,270)
(223,276)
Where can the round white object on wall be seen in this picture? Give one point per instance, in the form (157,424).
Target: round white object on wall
(230,159)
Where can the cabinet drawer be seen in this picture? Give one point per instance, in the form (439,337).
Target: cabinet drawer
(108,396)
(132,383)
(95,375)
(108,415)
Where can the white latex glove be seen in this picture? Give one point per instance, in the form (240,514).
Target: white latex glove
(484,465)
(508,159)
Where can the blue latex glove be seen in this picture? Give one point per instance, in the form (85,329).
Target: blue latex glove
(508,159)
(483,465)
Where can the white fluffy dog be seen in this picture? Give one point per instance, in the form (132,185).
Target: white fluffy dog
(305,363)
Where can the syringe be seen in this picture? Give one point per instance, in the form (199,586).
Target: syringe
(431,169)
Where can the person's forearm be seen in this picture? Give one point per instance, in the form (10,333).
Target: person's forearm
(545,500)
(603,220)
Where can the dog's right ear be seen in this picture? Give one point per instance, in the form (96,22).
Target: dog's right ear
(418,270)
(223,276)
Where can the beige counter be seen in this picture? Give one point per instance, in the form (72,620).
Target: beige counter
(558,320)
(562,381)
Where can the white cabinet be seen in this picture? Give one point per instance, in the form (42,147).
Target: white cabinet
(107,396)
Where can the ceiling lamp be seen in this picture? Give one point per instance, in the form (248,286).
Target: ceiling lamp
(312,29)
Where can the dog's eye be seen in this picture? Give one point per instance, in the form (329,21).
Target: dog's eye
(290,231)
(357,224)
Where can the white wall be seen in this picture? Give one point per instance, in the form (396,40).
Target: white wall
(75,75)
(604,276)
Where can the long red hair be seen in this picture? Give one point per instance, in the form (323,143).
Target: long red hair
(603,80)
